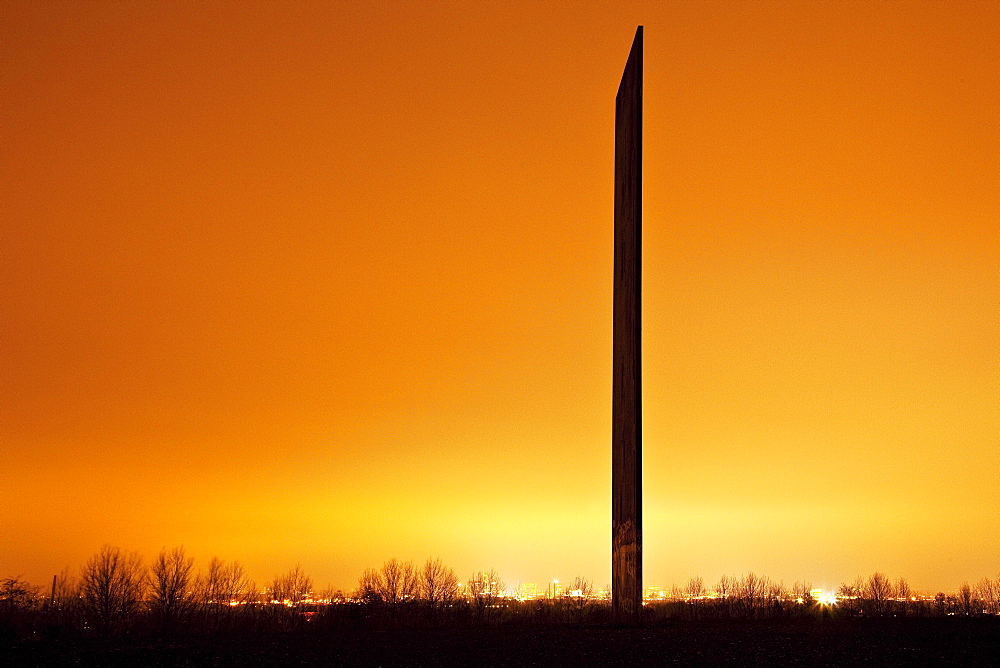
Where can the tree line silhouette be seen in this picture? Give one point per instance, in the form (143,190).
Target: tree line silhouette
(116,594)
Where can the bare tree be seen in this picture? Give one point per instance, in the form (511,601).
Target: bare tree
(16,593)
(112,587)
(399,582)
(695,587)
(486,584)
(438,583)
(725,590)
(852,590)
(222,593)
(966,600)
(64,602)
(486,589)
(582,587)
(291,588)
(172,593)
(18,603)
(677,593)
(369,586)
(581,590)
(802,591)
(67,589)
(849,595)
(331,595)
(988,592)
(393,585)
(903,590)
(877,592)
(751,591)
(941,603)
(695,591)
(225,584)
(902,594)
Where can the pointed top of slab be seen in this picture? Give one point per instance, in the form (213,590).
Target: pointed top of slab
(632,76)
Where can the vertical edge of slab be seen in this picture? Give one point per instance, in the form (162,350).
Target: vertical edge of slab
(626,441)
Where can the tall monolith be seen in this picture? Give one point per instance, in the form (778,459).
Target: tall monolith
(626,438)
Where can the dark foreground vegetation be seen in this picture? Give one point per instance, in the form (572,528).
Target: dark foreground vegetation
(118,611)
(803,641)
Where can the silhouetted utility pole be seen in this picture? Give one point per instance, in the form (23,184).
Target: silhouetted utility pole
(626,437)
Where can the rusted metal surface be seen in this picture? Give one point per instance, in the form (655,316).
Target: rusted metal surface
(626,439)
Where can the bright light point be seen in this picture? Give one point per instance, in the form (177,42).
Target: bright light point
(828,599)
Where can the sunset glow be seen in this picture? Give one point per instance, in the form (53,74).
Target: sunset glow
(329,283)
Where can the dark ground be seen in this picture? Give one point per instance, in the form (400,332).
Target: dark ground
(816,642)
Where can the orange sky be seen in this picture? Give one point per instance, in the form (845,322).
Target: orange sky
(331,283)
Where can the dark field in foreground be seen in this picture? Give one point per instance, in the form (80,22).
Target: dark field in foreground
(804,642)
